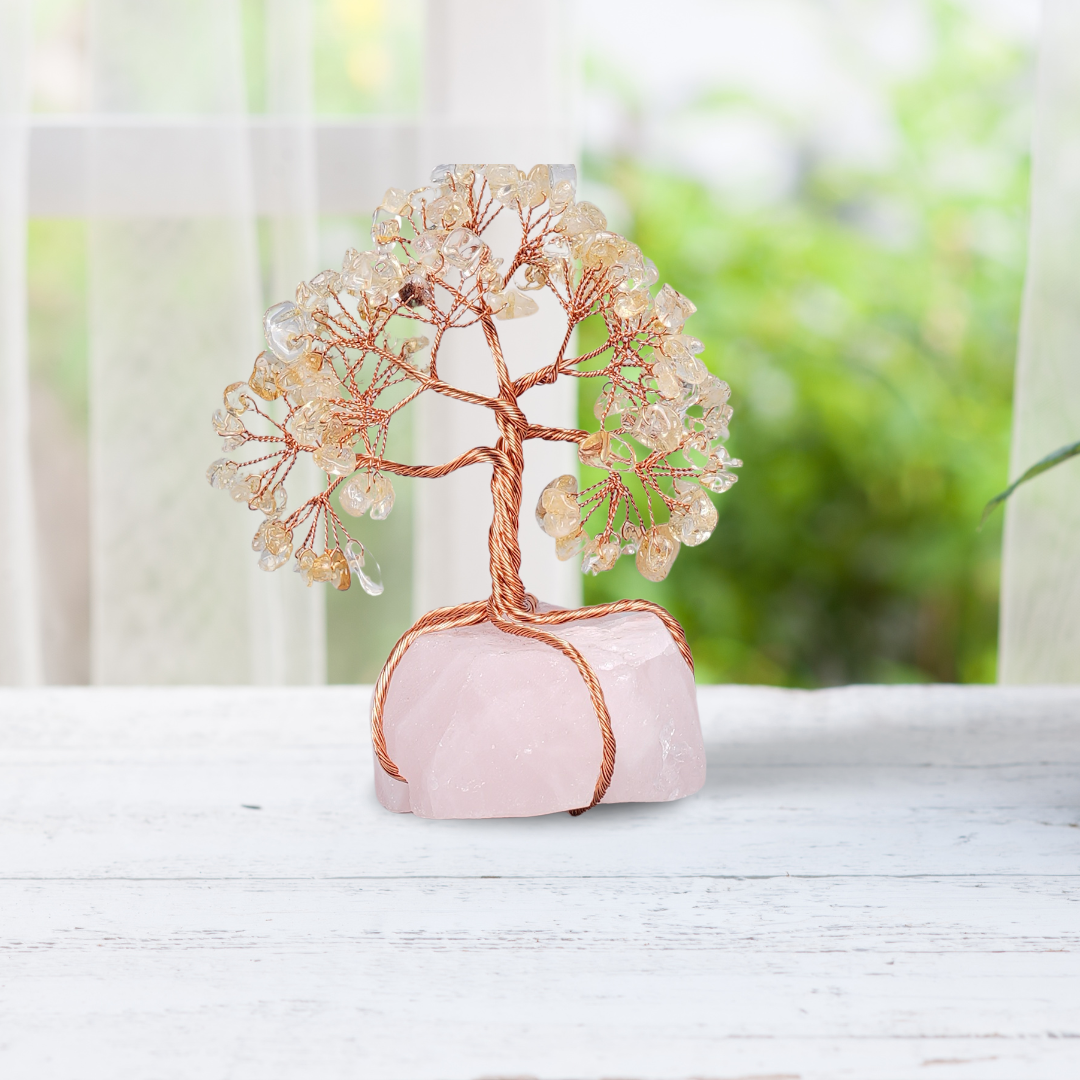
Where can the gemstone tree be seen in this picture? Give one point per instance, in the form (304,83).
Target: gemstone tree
(339,370)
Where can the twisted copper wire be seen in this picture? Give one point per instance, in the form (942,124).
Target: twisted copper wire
(555,434)
(507,590)
(432,472)
(509,608)
(440,619)
(674,627)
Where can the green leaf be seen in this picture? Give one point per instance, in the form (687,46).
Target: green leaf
(1048,462)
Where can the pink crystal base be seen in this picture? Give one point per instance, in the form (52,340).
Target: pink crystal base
(483,724)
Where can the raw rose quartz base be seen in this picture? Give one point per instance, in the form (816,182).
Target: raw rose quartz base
(483,724)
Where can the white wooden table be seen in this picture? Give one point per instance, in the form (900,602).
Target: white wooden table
(875,882)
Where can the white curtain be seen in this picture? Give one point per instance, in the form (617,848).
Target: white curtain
(1040,596)
(174,304)
(201,215)
(20,639)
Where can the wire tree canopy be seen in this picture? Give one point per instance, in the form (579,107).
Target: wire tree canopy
(339,368)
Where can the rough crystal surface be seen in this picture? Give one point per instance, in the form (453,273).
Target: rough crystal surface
(483,724)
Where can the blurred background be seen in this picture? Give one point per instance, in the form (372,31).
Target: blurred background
(840,185)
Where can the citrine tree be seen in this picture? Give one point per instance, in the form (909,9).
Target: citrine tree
(339,367)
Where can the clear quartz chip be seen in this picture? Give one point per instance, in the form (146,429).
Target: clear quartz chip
(363,565)
(697,516)
(715,422)
(594,450)
(383,501)
(462,249)
(261,380)
(656,555)
(385,228)
(335,460)
(599,556)
(395,200)
(226,423)
(557,510)
(672,309)
(326,282)
(221,474)
(582,219)
(305,563)
(631,534)
(272,501)
(273,542)
(714,393)
(555,246)
(340,571)
(285,328)
(632,305)
(566,547)
(533,190)
(270,562)
(503,181)
(236,402)
(668,382)
(660,427)
(357,495)
(428,249)
(411,346)
(719,481)
(563,185)
(244,488)
(517,306)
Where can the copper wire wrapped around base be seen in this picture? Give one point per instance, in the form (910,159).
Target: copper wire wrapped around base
(527,622)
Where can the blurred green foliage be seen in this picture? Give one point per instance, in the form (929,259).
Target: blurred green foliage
(867,324)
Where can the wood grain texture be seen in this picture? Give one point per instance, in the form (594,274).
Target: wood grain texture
(875,882)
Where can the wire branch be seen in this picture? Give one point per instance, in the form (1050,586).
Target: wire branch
(554,434)
(475,456)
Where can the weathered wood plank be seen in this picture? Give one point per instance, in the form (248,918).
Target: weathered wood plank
(874,883)
(552,978)
(153,784)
